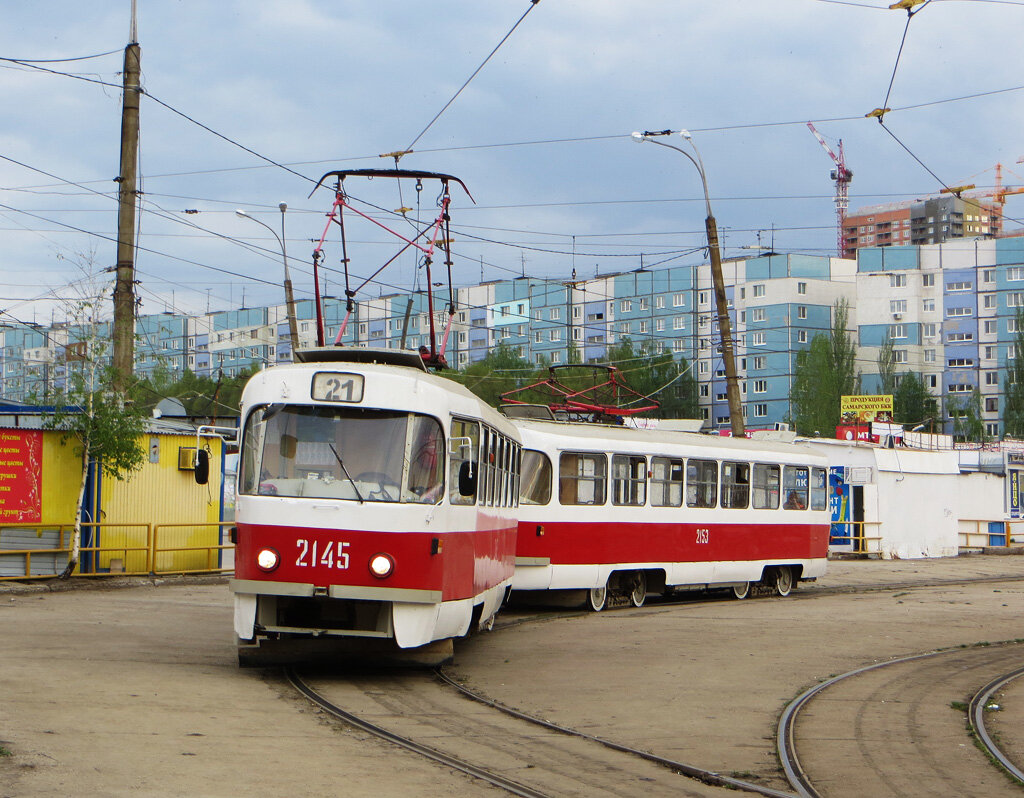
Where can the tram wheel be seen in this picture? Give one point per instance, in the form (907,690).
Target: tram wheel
(597,598)
(742,590)
(783,580)
(638,594)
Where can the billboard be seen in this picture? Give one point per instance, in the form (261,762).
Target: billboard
(865,409)
(21,475)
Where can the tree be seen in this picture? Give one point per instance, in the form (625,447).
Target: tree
(90,412)
(501,370)
(968,424)
(658,375)
(912,403)
(887,367)
(1013,385)
(824,373)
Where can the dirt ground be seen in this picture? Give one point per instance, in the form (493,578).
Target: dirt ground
(136,691)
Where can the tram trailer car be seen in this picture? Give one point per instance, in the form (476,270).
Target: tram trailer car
(375,510)
(621,513)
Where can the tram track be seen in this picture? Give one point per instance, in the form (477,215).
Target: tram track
(890,726)
(517,758)
(976,719)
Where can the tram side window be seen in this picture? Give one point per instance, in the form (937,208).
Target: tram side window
(535,484)
(735,485)
(463,468)
(581,478)
(819,489)
(425,475)
(794,485)
(766,486)
(701,483)
(629,480)
(252,449)
(666,482)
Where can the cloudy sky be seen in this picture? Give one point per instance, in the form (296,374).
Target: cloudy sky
(541,135)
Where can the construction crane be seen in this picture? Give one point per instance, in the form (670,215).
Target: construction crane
(998,194)
(842,177)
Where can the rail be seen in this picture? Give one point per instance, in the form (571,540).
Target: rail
(41,551)
(855,534)
(982,533)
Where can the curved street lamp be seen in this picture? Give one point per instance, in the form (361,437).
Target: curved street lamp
(289,298)
(732,386)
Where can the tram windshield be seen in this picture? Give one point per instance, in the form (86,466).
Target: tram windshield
(342,453)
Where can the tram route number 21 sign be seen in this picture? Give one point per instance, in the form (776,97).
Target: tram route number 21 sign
(21,476)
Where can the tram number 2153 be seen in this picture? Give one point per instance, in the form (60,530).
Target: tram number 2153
(331,554)
(702,535)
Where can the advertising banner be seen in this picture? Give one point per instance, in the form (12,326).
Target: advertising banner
(21,476)
(865,409)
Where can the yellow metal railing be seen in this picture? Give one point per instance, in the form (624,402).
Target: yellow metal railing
(857,535)
(127,549)
(981,535)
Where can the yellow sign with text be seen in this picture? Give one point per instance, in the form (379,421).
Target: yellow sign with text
(865,409)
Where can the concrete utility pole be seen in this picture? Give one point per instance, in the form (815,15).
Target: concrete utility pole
(124,287)
(732,385)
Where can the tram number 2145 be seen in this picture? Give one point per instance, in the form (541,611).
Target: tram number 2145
(330,554)
(702,535)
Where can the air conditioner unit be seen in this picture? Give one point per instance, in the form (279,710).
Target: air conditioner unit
(897,316)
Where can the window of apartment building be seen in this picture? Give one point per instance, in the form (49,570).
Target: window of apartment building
(928,280)
(760,361)
(659,325)
(959,337)
(702,367)
(555,314)
(679,323)
(702,297)
(625,306)
(801,288)
(991,327)
(897,281)
(928,305)
(760,410)
(1011,325)
(960,285)
(989,276)
(801,336)
(703,321)
(1015,299)
(537,337)
(989,301)
(931,380)
(929,355)
(959,312)
(556,357)
(801,311)
(705,343)
(960,362)
(897,306)
(536,316)
(555,335)
(659,302)
(758,290)
(624,328)
(678,346)
(705,390)
(678,300)
(991,377)
(992,429)
(643,327)
(897,330)
(757,339)
(644,304)
(928,329)
(577,312)
(721,397)
(462,336)
(760,386)
(899,355)
(959,387)
(757,314)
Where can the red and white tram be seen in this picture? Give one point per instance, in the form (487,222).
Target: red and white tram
(375,509)
(621,512)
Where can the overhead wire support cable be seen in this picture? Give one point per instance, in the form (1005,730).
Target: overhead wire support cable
(437,116)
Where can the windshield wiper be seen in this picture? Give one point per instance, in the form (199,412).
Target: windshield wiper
(342,464)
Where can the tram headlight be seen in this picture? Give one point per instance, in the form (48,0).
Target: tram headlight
(268,559)
(381,565)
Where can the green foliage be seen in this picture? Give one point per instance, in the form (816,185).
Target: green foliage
(202,396)
(102,424)
(659,375)
(887,367)
(824,373)
(912,402)
(965,413)
(1013,409)
(500,371)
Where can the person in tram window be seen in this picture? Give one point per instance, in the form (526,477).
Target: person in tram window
(794,501)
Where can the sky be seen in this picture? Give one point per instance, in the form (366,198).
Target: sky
(249,103)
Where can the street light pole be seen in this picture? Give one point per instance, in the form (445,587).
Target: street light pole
(732,386)
(289,298)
